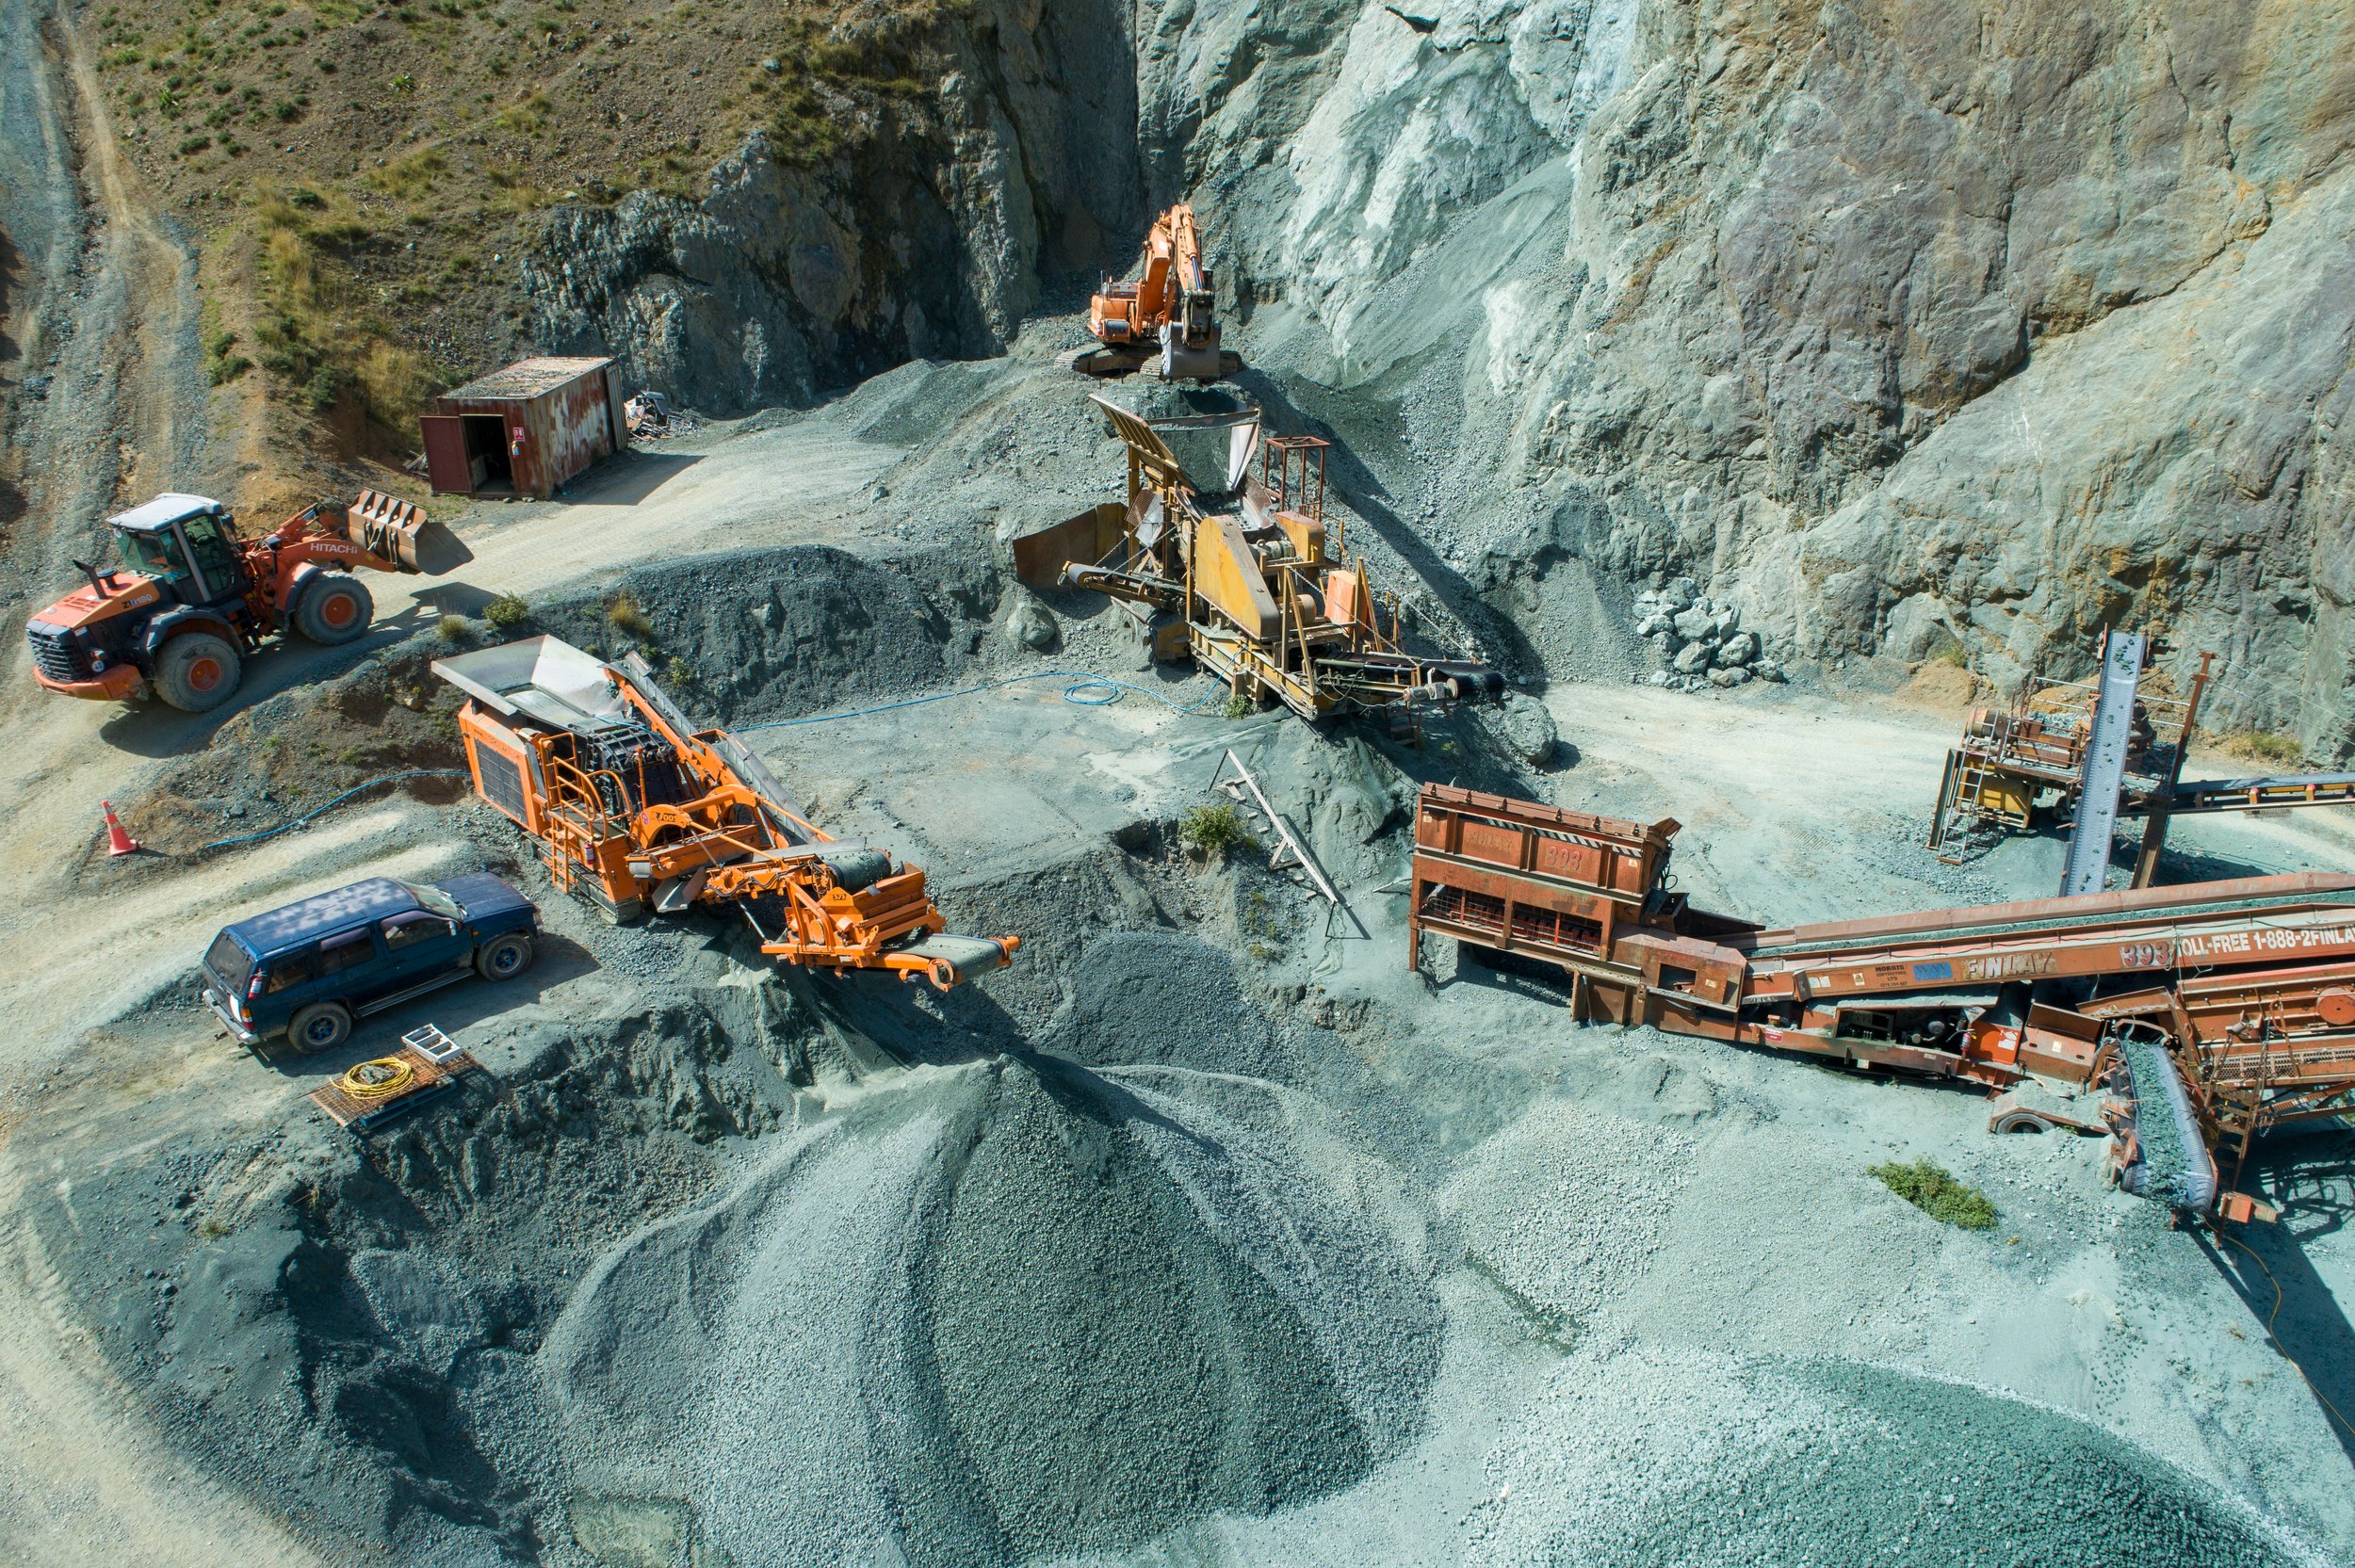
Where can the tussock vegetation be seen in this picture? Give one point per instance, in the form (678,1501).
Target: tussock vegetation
(1216,830)
(1932,1189)
(318,333)
(2262,746)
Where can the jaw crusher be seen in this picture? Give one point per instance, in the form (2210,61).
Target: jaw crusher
(2208,1014)
(634,808)
(1237,572)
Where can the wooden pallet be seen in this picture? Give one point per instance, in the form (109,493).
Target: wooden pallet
(432,1056)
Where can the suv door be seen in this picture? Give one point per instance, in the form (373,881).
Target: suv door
(421,945)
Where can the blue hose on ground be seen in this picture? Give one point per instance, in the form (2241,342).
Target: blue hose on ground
(355,789)
(1082,681)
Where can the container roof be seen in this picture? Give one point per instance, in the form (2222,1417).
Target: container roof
(527,377)
(314,917)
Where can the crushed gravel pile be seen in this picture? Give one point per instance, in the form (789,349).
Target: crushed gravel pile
(1654,1458)
(1021,1310)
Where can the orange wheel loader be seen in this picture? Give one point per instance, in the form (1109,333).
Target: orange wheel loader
(193,597)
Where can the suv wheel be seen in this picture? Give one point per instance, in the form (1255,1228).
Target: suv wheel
(320,1026)
(503,958)
(197,671)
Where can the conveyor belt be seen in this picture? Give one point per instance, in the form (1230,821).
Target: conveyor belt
(2294,789)
(2153,906)
(2104,766)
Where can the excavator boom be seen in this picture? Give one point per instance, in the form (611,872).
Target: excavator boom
(636,809)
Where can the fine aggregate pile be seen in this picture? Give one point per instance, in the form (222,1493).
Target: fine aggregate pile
(1652,1457)
(1018,1310)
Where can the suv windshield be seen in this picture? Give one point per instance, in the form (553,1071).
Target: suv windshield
(229,963)
(151,554)
(435,899)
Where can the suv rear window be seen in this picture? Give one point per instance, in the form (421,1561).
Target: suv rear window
(229,963)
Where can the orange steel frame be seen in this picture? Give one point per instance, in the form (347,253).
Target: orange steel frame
(732,844)
(2252,980)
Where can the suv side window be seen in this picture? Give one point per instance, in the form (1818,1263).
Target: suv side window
(289,970)
(345,950)
(404,930)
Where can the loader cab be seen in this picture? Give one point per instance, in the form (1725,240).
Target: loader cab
(187,542)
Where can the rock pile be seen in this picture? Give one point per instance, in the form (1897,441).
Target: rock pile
(1700,638)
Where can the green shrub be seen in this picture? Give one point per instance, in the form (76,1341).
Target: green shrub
(2264,746)
(1215,829)
(1932,1189)
(325,385)
(678,672)
(506,612)
(624,615)
(1240,707)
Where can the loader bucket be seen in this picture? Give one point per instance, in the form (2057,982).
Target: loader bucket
(1039,558)
(401,533)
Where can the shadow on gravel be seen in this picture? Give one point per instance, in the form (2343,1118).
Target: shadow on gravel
(453,1009)
(630,480)
(151,729)
(2312,1181)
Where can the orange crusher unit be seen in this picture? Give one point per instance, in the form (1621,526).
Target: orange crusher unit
(1165,320)
(2209,1013)
(636,809)
(1236,571)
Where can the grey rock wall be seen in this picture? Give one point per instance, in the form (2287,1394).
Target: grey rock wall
(1891,324)
(926,235)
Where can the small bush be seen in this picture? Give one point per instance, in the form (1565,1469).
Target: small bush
(1240,707)
(325,385)
(1215,829)
(1932,1189)
(2264,746)
(624,615)
(506,612)
(453,628)
(678,672)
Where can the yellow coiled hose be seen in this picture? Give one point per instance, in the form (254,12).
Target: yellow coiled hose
(377,1079)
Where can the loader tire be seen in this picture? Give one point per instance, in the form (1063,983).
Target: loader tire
(197,671)
(503,958)
(320,1026)
(334,608)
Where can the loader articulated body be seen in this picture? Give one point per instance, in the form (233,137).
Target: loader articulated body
(1242,577)
(193,597)
(2209,1013)
(635,809)
(1165,320)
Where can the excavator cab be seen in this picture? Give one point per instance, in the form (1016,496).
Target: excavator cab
(187,543)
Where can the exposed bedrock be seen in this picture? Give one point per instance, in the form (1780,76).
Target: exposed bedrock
(1889,325)
(926,233)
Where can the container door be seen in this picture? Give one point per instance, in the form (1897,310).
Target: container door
(446,462)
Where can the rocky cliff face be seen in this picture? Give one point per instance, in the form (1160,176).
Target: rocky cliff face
(925,234)
(1899,327)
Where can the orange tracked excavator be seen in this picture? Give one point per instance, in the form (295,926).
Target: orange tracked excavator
(1165,319)
(193,597)
(634,808)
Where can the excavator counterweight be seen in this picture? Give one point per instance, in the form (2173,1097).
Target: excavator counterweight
(1165,319)
(636,810)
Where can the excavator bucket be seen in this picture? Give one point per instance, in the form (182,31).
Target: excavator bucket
(401,533)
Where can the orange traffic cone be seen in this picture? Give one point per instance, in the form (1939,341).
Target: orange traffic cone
(118,842)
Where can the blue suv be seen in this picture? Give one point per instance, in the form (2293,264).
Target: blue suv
(307,970)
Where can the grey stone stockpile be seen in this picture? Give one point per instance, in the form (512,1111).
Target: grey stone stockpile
(1699,638)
